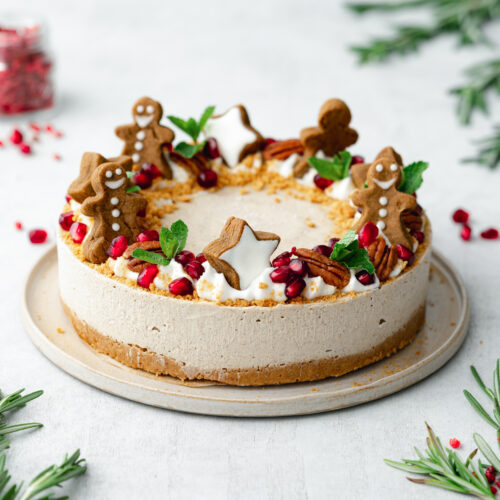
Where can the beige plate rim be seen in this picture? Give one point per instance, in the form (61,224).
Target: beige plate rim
(292,399)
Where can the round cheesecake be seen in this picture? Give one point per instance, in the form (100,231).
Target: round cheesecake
(241,260)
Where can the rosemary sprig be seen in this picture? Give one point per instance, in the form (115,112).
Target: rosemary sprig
(493,395)
(52,476)
(444,468)
(465,18)
(489,150)
(482,78)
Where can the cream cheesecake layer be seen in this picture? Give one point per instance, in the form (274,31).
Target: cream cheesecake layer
(204,338)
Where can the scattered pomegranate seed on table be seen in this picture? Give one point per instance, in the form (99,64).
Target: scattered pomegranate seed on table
(490,234)
(283,259)
(148,235)
(1,144)
(117,247)
(16,137)
(294,287)
(321,182)
(207,178)
(66,220)
(78,230)
(180,286)
(25,149)
(18,225)
(147,276)
(38,236)
(34,126)
(367,235)
(454,443)
(460,216)
(56,156)
(466,232)
(194,269)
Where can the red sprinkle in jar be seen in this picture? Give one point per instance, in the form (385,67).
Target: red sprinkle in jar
(25,68)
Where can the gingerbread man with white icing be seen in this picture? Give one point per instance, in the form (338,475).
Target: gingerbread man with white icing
(383,204)
(113,209)
(145,138)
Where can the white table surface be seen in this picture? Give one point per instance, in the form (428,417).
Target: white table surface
(282,59)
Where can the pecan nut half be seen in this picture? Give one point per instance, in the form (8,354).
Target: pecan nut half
(332,272)
(383,257)
(195,164)
(137,265)
(412,220)
(281,150)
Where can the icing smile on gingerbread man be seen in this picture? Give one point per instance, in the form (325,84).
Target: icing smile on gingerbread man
(386,177)
(144,115)
(118,183)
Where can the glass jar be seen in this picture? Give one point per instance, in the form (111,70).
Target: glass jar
(25,68)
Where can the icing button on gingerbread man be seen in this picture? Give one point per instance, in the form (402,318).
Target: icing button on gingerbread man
(113,209)
(383,204)
(145,138)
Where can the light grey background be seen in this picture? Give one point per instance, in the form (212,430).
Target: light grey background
(282,59)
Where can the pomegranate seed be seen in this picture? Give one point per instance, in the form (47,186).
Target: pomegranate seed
(323,250)
(194,269)
(298,267)
(67,197)
(283,259)
(16,137)
(58,134)
(270,140)
(169,147)
(365,278)
(38,236)
(211,148)
(151,169)
(357,159)
(490,234)
(207,178)
(321,182)
(147,276)
(419,236)
(280,274)
(332,242)
(201,258)
(56,156)
(493,490)
(460,216)
(148,235)
(1,144)
(49,128)
(117,247)
(143,179)
(454,443)
(78,230)
(184,257)
(180,286)
(490,474)
(294,287)
(466,232)
(18,225)
(367,234)
(406,254)
(65,220)
(34,126)
(25,149)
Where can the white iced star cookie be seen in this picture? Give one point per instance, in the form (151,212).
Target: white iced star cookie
(240,253)
(235,136)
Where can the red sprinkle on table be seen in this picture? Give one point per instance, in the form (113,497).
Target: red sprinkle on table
(25,149)
(490,234)
(460,216)
(454,443)
(466,232)
(38,236)
(18,225)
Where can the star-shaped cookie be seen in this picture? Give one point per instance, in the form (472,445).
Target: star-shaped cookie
(240,253)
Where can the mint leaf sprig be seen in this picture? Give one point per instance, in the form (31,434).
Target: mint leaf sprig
(193,128)
(445,469)
(493,395)
(489,150)
(346,251)
(54,475)
(334,170)
(411,177)
(172,241)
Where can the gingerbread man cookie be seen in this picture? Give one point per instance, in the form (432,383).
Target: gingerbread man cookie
(145,138)
(382,203)
(359,170)
(81,187)
(240,253)
(332,134)
(113,209)
(235,136)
